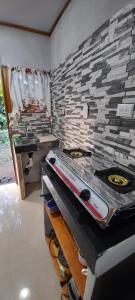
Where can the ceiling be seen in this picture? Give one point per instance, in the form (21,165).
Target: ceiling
(40,15)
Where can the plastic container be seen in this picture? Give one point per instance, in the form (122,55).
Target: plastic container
(48,197)
(52,207)
(51,202)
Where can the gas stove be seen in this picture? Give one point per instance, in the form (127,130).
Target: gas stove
(105,189)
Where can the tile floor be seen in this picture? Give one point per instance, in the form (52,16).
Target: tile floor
(26,270)
(6,163)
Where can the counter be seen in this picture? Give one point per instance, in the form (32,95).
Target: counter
(44,144)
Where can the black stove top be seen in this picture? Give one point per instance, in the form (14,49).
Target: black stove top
(117,179)
(77,153)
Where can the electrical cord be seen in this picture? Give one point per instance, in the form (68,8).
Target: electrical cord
(65,296)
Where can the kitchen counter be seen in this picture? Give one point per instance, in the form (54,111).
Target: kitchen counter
(29,144)
(47,138)
(40,149)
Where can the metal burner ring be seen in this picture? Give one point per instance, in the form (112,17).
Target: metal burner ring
(118,180)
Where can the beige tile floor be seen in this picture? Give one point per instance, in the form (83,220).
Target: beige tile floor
(26,270)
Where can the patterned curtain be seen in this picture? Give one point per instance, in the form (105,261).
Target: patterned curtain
(30,91)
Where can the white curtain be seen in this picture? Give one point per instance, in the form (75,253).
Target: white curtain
(30,91)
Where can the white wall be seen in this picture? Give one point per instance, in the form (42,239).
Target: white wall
(24,49)
(81,18)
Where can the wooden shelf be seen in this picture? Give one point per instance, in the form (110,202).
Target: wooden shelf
(69,248)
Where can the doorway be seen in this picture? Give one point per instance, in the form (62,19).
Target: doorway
(6,162)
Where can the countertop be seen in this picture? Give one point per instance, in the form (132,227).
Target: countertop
(47,138)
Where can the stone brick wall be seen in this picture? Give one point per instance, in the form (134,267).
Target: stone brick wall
(87,88)
(39,123)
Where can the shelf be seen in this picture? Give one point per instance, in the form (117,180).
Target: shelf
(69,248)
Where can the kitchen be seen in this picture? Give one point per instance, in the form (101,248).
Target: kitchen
(80,147)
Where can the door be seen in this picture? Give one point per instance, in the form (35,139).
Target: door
(7,170)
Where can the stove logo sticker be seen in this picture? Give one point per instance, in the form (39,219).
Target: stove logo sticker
(100,207)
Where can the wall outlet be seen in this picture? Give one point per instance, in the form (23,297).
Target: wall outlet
(125,110)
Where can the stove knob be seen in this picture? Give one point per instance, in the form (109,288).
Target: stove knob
(85,195)
(52,160)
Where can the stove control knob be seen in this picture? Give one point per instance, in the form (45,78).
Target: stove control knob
(52,160)
(85,195)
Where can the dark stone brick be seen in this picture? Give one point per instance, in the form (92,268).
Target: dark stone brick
(85,79)
(68,57)
(81,46)
(78,55)
(128,123)
(85,92)
(123,16)
(125,26)
(122,52)
(115,122)
(131,65)
(131,167)
(99,66)
(105,71)
(92,115)
(132,50)
(131,73)
(66,77)
(111,114)
(117,131)
(85,66)
(130,89)
(97,57)
(133,40)
(117,87)
(125,36)
(79,81)
(111,139)
(98,84)
(107,53)
(97,34)
(92,104)
(92,110)
(98,147)
(68,65)
(101,49)
(113,102)
(123,141)
(121,150)
(89,50)
(61,66)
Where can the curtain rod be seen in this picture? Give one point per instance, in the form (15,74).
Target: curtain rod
(32,69)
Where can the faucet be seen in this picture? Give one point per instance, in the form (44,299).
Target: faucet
(27,128)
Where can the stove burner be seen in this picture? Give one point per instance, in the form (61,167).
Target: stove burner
(76,153)
(118,179)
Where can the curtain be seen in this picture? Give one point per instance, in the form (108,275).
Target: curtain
(30,91)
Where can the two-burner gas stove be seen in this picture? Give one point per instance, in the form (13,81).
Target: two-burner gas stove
(105,189)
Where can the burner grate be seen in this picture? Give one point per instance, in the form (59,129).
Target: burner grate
(119,180)
(76,153)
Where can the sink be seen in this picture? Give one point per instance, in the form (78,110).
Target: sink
(27,143)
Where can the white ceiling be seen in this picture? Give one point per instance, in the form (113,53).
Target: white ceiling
(40,14)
